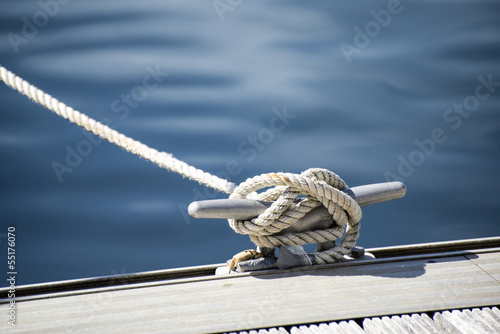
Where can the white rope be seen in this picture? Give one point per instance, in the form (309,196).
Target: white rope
(162,159)
(321,186)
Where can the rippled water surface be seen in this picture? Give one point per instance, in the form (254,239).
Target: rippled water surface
(373,90)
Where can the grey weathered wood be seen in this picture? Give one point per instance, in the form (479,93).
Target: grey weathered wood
(332,328)
(420,323)
(305,329)
(446,325)
(489,263)
(325,329)
(485,317)
(314,329)
(402,325)
(350,327)
(493,312)
(376,325)
(478,323)
(466,325)
(411,324)
(279,330)
(280,298)
(471,321)
(390,324)
(428,323)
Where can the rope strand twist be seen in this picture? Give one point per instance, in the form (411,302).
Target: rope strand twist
(321,187)
(162,159)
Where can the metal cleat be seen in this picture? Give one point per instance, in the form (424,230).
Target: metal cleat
(318,218)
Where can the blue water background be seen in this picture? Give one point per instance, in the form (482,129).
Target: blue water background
(358,113)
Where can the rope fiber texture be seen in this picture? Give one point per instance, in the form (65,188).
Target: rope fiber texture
(321,186)
(162,159)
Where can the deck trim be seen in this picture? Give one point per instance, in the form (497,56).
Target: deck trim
(207,272)
(285,298)
(75,292)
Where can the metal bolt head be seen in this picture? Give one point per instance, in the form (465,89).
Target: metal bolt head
(357,252)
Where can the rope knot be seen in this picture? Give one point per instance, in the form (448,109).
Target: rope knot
(277,226)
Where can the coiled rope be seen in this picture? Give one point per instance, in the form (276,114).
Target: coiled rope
(321,186)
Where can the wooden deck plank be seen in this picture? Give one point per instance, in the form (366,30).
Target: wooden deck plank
(302,296)
(150,315)
(488,262)
(420,324)
(376,325)
(404,327)
(203,292)
(349,327)
(493,319)
(151,310)
(465,321)
(486,318)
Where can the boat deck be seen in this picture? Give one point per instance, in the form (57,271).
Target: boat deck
(420,279)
